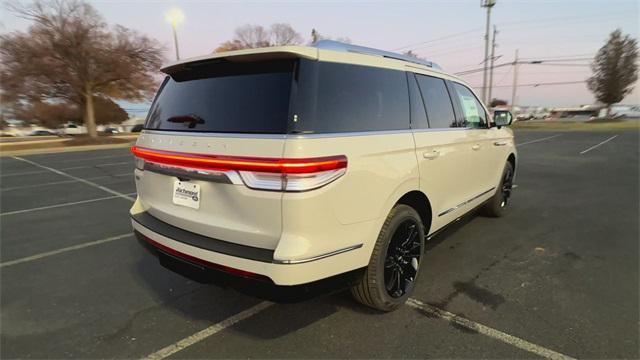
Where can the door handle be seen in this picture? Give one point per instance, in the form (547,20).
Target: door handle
(431,155)
(476,147)
(500,143)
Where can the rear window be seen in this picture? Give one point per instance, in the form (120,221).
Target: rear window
(334,97)
(279,97)
(226,98)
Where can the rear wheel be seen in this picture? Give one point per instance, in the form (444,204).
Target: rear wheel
(393,269)
(497,205)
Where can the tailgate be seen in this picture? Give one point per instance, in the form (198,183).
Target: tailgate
(228,210)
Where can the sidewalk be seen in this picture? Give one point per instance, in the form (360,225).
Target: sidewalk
(52,146)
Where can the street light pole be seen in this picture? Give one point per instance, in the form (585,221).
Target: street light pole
(175,16)
(486,4)
(175,41)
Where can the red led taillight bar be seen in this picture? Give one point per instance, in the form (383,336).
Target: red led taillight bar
(240,163)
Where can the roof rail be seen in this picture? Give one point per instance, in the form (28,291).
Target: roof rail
(340,46)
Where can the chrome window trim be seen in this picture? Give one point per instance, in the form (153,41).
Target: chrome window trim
(318,257)
(305,136)
(213,134)
(465,202)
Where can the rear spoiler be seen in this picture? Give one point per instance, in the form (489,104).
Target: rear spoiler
(247,55)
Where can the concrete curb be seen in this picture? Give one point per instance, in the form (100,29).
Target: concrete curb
(64,149)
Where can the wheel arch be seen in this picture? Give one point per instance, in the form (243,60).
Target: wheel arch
(420,202)
(512,160)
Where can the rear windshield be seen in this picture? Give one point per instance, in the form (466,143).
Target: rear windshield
(225,97)
(281,97)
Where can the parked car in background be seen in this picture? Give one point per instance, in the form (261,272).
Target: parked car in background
(137,128)
(71,129)
(42,133)
(111,130)
(541,115)
(524,116)
(313,162)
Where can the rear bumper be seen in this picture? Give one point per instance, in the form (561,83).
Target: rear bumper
(240,260)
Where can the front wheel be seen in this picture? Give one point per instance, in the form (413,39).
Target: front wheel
(393,269)
(497,205)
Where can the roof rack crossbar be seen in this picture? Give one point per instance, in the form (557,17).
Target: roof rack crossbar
(340,46)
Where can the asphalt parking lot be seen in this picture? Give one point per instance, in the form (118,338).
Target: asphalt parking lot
(557,276)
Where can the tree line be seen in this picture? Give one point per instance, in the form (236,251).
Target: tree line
(70,65)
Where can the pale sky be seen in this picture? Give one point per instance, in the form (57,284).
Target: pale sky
(539,29)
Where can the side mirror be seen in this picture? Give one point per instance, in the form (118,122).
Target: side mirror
(502,118)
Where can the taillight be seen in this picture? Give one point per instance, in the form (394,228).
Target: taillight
(297,174)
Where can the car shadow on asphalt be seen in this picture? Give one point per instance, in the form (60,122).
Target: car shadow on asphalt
(295,307)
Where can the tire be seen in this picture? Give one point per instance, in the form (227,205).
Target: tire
(376,289)
(497,205)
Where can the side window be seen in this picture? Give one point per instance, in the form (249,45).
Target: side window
(437,101)
(474,115)
(356,98)
(418,114)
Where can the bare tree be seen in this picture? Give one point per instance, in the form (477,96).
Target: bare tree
(70,54)
(230,46)
(255,36)
(283,34)
(614,69)
(252,36)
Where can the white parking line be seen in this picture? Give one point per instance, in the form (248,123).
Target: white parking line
(487,331)
(211,330)
(117,193)
(99,165)
(538,140)
(126,196)
(67,168)
(596,145)
(64,182)
(63,250)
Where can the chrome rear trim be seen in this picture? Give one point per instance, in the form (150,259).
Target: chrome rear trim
(322,256)
(225,177)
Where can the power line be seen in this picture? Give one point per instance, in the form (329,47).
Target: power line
(563,19)
(437,39)
(481,69)
(553,64)
(528,62)
(503,77)
(541,84)
(562,60)
(563,56)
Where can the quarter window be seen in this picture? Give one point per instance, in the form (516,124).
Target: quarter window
(474,115)
(437,101)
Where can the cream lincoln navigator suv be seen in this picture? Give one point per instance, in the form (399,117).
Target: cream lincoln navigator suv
(289,165)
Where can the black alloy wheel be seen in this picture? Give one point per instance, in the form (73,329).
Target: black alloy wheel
(403,259)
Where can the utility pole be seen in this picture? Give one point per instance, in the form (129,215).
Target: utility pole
(486,4)
(515,82)
(493,59)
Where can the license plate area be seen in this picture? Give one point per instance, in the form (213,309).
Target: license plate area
(186,193)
